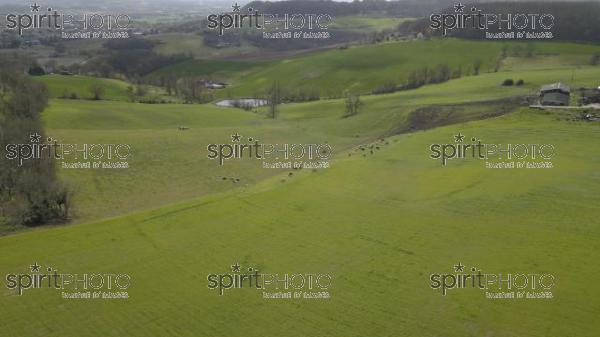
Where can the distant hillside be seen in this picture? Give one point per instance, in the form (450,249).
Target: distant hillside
(366,68)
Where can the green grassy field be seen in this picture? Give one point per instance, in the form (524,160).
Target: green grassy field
(379,223)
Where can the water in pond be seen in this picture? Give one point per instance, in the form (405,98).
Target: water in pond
(243,102)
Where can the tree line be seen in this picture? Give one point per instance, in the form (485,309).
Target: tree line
(30,194)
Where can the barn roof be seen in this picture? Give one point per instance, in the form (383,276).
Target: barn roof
(555,86)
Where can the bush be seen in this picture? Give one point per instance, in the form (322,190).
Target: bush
(36,71)
(42,206)
(594,59)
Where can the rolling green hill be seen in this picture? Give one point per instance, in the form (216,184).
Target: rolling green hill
(385,221)
(168,165)
(64,86)
(78,87)
(366,67)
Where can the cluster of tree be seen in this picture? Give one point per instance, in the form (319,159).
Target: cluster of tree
(10,41)
(136,57)
(288,95)
(193,90)
(386,88)
(18,62)
(30,193)
(301,95)
(190,89)
(425,75)
(352,105)
(133,58)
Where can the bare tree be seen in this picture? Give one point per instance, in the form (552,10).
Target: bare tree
(275,99)
(352,105)
(97,90)
(476,66)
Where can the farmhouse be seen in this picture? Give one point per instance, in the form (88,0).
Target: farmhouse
(214,85)
(555,94)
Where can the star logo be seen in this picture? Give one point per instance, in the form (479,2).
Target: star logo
(459,267)
(459,138)
(35,137)
(236,7)
(459,7)
(35,268)
(236,138)
(35,7)
(235,268)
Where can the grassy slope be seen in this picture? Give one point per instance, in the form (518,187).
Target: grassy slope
(114,90)
(384,222)
(169,165)
(58,85)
